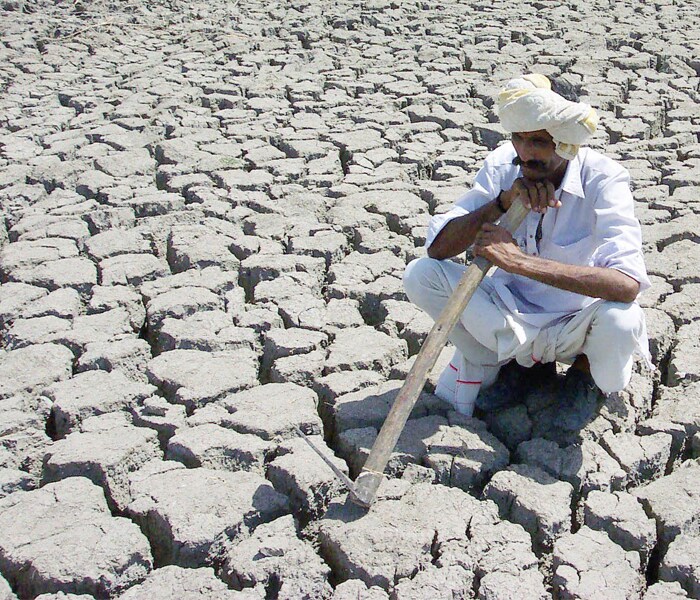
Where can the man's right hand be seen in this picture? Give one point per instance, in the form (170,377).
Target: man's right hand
(538,196)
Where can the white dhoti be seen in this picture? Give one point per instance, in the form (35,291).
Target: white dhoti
(488,335)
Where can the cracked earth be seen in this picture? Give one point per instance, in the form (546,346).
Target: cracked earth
(206,213)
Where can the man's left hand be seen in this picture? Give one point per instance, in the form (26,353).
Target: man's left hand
(496,245)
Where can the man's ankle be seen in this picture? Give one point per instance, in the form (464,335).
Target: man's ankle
(581,364)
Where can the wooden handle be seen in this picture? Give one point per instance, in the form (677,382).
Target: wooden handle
(370,477)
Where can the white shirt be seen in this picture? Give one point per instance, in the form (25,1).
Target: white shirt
(595,226)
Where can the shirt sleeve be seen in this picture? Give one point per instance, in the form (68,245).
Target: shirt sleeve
(618,233)
(483,191)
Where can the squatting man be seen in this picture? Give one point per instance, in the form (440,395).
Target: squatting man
(567,279)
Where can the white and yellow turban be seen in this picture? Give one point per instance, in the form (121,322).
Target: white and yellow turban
(529,104)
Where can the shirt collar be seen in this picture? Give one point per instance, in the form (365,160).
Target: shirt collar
(571,184)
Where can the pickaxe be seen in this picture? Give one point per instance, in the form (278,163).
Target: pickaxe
(364,490)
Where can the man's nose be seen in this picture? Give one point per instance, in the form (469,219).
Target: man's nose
(526,151)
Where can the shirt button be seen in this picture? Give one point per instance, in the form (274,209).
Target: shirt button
(531,236)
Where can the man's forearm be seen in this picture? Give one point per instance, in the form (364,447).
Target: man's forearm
(459,233)
(597,282)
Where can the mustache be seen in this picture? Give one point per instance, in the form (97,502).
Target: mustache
(536,165)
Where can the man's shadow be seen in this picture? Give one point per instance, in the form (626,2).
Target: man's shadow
(526,403)
(545,425)
(530,403)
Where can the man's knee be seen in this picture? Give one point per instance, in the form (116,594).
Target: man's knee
(421,274)
(616,331)
(621,318)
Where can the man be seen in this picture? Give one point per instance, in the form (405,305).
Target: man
(567,279)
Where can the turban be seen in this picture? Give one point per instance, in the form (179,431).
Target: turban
(529,104)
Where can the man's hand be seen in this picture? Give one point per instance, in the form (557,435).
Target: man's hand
(538,196)
(496,245)
(461,232)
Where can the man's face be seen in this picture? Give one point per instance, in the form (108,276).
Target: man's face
(535,150)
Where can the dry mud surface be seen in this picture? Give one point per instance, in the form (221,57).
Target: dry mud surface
(206,212)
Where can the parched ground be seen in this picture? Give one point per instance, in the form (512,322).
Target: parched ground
(206,212)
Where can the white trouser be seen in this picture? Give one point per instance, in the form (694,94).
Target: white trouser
(608,333)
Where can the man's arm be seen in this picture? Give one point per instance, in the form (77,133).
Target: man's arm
(461,232)
(496,245)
